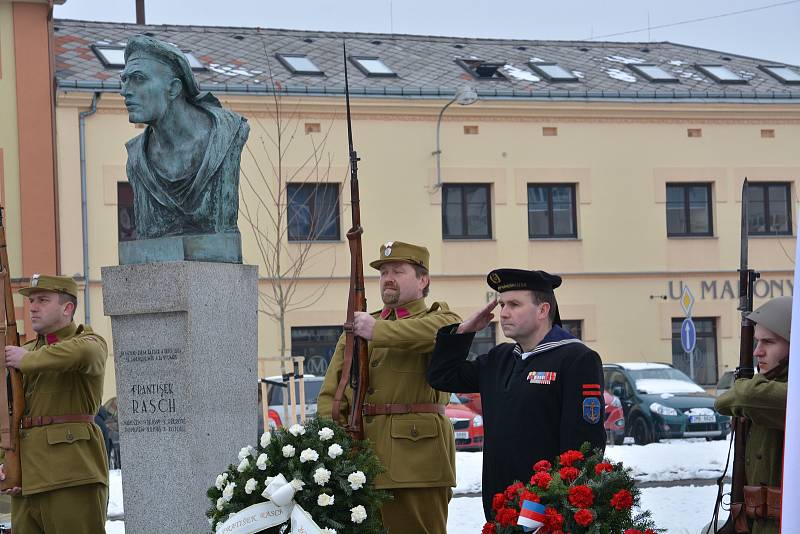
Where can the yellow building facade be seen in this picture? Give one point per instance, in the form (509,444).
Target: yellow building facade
(622,274)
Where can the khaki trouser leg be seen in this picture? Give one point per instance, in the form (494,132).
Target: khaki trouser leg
(75,510)
(417,511)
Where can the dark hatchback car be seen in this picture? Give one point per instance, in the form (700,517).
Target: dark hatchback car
(661,402)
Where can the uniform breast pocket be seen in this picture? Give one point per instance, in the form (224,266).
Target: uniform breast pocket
(417,449)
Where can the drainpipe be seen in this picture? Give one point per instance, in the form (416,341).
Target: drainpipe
(84,208)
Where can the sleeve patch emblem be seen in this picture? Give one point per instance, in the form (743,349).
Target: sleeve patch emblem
(591,410)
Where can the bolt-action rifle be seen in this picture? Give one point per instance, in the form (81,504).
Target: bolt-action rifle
(355,364)
(12,397)
(737,520)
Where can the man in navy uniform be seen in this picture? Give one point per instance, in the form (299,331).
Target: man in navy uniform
(541,396)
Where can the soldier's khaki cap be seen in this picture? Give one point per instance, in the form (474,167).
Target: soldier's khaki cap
(775,315)
(399,251)
(44,282)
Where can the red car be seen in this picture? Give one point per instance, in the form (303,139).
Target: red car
(468,425)
(614,419)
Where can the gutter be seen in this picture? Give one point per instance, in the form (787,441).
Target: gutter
(440,93)
(84,208)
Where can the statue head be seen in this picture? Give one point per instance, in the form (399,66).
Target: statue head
(155,75)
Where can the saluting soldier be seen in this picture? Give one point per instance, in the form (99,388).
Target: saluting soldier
(541,396)
(64,462)
(404,417)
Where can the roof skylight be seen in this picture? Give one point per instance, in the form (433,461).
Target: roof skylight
(113,57)
(372,66)
(721,74)
(483,70)
(553,72)
(653,73)
(781,73)
(298,64)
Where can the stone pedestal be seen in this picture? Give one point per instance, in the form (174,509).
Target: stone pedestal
(185,351)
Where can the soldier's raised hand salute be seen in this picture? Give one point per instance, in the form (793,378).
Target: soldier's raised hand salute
(478,320)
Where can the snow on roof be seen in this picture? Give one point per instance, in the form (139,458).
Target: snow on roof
(635,366)
(620,75)
(520,74)
(661,385)
(625,60)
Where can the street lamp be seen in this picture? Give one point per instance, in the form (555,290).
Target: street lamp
(464,97)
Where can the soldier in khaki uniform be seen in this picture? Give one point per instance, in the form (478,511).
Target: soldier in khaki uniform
(403,416)
(762,400)
(64,463)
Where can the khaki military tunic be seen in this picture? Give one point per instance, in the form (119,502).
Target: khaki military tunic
(62,374)
(417,449)
(762,399)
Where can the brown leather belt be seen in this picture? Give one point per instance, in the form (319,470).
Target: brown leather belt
(398,409)
(44,420)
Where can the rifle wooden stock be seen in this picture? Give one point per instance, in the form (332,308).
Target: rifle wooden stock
(11,406)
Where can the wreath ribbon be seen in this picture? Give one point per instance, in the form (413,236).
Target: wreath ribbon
(279,509)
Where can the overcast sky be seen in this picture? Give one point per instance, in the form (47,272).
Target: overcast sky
(769,33)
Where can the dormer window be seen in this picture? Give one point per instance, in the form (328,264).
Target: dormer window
(553,72)
(372,66)
(298,64)
(721,74)
(781,73)
(483,70)
(653,73)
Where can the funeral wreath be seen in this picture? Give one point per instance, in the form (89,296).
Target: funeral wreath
(313,471)
(579,492)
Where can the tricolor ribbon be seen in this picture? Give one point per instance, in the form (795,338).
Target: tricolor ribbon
(277,510)
(531,516)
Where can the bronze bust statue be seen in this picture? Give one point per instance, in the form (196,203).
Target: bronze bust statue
(184,168)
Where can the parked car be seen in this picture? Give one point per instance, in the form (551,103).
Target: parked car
(467,424)
(275,391)
(614,421)
(725,382)
(472,401)
(660,401)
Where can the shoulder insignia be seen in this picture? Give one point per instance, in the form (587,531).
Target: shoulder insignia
(591,410)
(439,306)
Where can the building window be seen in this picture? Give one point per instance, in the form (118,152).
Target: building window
(551,210)
(313,212)
(299,64)
(316,344)
(126,228)
(769,209)
(573,326)
(701,365)
(483,342)
(553,72)
(483,70)
(689,210)
(466,212)
(372,66)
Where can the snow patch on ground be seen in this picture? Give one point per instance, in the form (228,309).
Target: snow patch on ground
(115,527)
(519,74)
(677,62)
(672,459)
(468,472)
(681,509)
(620,75)
(115,509)
(624,60)
(577,74)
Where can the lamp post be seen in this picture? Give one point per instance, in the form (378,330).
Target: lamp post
(464,97)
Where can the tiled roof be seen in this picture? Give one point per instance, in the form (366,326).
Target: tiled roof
(241,60)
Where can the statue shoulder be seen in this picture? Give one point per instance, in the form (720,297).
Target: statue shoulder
(136,145)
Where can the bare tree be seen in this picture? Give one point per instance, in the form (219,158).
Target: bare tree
(286,208)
